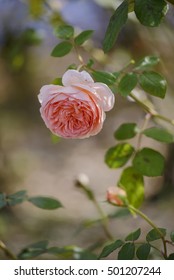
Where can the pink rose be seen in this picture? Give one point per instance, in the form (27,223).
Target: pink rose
(76,109)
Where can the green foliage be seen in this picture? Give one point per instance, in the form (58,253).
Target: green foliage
(57,81)
(127,251)
(33,250)
(150,12)
(62,49)
(104,77)
(147,62)
(55,139)
(45,202)
(3,201)
(171,257)
(107,250)
(153,83)
(133,235)
(159,134)
(118,155)
(116,23)
(83,37)
(72,252)
(155,235)
(126,131)
(64,31)
(172,236)
(149,162)
(16,198)
(36,7)
(132,182)
(143,251)
(127,83)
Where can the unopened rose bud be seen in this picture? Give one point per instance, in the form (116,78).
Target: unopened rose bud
(116,196)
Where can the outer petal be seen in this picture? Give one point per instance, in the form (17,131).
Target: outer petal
(106,96)
(99,92)
(72,77)
(47,91)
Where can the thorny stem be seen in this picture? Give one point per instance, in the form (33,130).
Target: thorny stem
(142,215)
(7,252)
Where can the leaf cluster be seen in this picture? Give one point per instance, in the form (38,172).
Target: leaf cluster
(130,248)
(43,202)
(148,12)
(67,34)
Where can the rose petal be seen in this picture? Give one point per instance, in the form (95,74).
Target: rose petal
(48,90)
(101,93)
(106,96)
(72,77)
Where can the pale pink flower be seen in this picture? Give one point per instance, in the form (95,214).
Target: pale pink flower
(76,109)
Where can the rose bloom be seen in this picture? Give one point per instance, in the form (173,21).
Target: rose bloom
(76,109)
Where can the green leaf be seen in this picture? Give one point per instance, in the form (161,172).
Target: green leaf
(132,182)
(55,139)
(118,155)
(172,236)
(33,250)
(83,36)
(119,213)
(171,257)
(107,250)
(64,31)
(45,202)
(127,251)
(17,198)
(62,49)
(85,255)
(153,83)
(117,21)
(154,234)
(72,66)
(72,252)
(146,62)
(133,235)
(36,8)
(104,77)
(127,84)
(143,251)
(3,201)
(150,12)
(57,81)
(126,131)
(149,162)
(159,134)
(90,63)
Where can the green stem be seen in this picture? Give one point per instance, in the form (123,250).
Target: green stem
(153,113)
(7,252)
(91,196)
(104,219)
(145,123)
(142,215)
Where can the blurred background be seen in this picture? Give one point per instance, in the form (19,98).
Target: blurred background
(28,157)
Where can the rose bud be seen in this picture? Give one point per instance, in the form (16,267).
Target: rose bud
(116,196)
